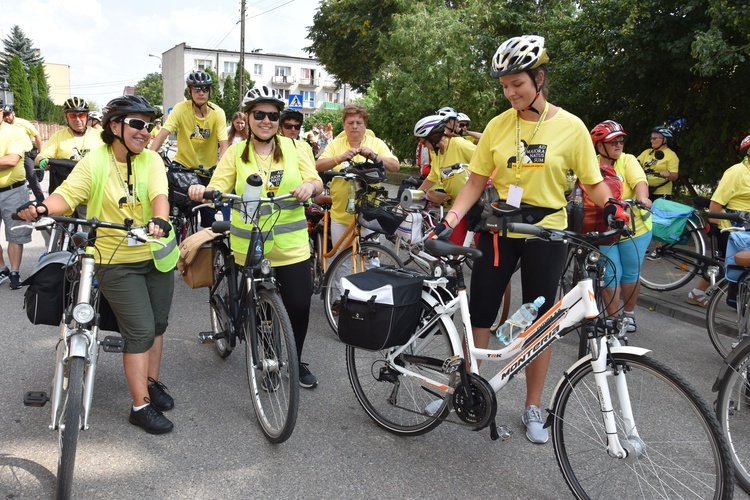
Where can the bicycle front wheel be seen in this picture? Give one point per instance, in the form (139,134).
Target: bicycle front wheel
(273,375)
(369,255)
(398,403)
(676,448)
(666,267)
(219,301)
(726,326)
(69,427)
(733,412)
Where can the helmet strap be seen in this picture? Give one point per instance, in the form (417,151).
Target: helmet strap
(122,140)
(256,138)
(531,107)
(606,152)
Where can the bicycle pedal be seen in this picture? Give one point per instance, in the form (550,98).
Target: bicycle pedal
(206,337)
(113,343)
(35,398)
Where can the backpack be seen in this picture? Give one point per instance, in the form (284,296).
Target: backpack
(585,216)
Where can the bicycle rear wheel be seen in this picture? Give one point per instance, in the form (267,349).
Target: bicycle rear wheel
(733,412)
(663,269)
(726,326)
(396,402)
(69,427)
(274,375)
(678,449)
(369,255)
(219,301)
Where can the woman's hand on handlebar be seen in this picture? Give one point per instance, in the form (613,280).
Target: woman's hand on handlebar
(158,227)
(195,192)
(304,191)
(31,211)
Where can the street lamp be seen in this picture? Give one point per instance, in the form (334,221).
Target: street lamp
(159,58)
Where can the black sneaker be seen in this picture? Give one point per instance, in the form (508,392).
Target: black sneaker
(5,274)
(151,420)
(306,379)
(15,280)
(157,394)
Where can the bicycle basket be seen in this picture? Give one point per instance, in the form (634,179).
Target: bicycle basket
(380,218)
(180,179)
(670,219)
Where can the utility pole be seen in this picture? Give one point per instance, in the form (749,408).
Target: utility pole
(242,54)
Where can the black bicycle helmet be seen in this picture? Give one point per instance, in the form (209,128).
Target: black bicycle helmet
(198,78)
(291,114)
(258,95)
(127,105)
(75,104)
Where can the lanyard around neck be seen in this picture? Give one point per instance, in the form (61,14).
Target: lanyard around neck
(519,157)
(127,188)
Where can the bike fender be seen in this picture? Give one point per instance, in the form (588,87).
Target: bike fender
(625,349)
(728,363)
(79,347)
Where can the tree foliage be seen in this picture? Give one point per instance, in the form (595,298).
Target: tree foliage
(323,116)
(19,85)
(17,44)
(151,88)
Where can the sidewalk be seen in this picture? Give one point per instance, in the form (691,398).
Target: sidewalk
(673,304)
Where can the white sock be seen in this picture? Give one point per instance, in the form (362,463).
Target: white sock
(137,408)
(629,313)
(697,292)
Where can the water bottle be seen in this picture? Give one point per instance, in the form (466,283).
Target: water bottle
(253,187)
(578,198)
(520,320)
(350,208)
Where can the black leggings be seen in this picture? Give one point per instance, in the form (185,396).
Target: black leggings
(295,285)
(542,264)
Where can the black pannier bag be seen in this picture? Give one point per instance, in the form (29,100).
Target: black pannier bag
(179,180)
(379,308)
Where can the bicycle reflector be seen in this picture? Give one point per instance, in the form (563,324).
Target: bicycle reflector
(83,313)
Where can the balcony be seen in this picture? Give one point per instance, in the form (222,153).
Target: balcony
(329,84)
(308,82)
(284,80)
(330,105)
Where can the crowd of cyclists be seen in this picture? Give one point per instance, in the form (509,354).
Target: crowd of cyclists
(525,153)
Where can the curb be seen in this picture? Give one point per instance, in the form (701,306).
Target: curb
(672,304)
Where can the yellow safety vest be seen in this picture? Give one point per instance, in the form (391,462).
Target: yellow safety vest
(165,257)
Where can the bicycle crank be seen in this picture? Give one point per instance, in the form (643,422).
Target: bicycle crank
(476,404)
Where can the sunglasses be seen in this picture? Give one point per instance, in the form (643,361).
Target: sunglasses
(82,115)
(205,89)
(138,124)
(290,126)
(617,142)
(272,115)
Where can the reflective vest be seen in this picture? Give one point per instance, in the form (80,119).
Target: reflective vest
(289,228)
(165,257)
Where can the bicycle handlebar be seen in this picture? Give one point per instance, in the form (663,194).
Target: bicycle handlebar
(559,234)
(61,162)
(140,233)
(214,196)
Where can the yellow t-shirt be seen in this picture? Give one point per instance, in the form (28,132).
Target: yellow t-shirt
(113,245)
(631,173)
(458,150)
(561,143)
(197,137)
(669,162)
(12,141)
(733,191)
(340,187)
(66,146)
(224,180)
(156,130)
(28,128)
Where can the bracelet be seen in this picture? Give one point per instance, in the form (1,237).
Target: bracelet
(458,216)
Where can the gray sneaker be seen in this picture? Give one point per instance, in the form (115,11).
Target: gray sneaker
(532,419)
(15,280)
(4,275)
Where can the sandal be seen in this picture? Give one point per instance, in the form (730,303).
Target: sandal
(630,320)
(697,300)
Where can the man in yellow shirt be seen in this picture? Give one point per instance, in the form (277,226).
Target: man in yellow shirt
(660,164)
(9,116)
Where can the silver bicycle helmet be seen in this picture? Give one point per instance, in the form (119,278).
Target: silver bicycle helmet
(463,117)
(518,54)
(198,78)
(447,112)
(258,95)
(429,125)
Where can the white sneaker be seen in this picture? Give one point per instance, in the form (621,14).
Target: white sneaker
(532,419)
(433,407)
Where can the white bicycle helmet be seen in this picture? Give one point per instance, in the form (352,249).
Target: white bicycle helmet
(429,125)
(95,115)
(519,54)
(262,94)
(463,117)
(447,112)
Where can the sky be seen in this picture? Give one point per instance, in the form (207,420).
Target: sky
(107,43)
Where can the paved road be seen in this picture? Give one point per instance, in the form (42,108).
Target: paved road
(217,450)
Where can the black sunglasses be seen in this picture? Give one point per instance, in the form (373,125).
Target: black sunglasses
(138,124)
(290,126)
(203,89)
(272,115)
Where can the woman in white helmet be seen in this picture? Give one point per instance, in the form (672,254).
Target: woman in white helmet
(549,141)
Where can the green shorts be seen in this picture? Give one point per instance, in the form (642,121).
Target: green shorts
(141,297)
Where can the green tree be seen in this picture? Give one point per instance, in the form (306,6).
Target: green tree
(325,116)
(18,44)
(346,34)
(230,102)
(19,85)
(151,88)
(45,109)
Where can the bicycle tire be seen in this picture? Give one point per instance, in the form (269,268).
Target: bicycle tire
(680,449)
(662,270)
(733,412)
(219,303)
(396,402)
(275,406)
(316,261)
(726,327)
(69,427)
(365,255)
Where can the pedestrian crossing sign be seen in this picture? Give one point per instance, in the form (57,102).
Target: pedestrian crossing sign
(295,101)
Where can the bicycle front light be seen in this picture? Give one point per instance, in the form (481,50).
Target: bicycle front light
(593,257)
(83,313)
(265,267)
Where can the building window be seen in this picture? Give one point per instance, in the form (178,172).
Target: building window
(283,93)
(308,99)
(203,64)
(258,69)
(308,73)
(284,72)
(230,67)
(332,97)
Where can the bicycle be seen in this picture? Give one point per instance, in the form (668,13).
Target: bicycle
(609,433)
(182,214)
(78,349)
(733,409)
(246,306)
(355,250)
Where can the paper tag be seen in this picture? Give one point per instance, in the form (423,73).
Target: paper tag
(514,195)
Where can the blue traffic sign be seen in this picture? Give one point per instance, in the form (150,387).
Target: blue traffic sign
(295,101)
